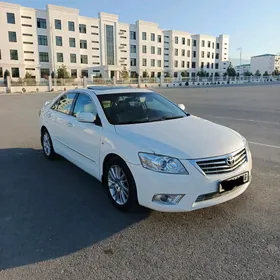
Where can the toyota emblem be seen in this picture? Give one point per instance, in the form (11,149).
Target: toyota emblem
(230,161)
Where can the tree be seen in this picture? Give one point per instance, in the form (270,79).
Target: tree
(258,73)
(145,74)
(62,72)
(247,74)
(275,72)
(231,71)
(184,74)
(265,74)
(167,75)
(217,74)
(201,73)
(6,74)
(124,73)
(28,75)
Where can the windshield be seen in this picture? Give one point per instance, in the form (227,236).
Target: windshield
(140,107)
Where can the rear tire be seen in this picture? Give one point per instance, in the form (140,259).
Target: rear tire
(120,185)
(47,145)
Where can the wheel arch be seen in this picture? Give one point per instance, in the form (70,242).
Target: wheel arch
(106,159)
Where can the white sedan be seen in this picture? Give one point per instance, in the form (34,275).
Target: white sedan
(145,149)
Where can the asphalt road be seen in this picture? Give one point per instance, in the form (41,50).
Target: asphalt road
(56,221)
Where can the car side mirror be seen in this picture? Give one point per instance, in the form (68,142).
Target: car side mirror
(86,117)
(182,106)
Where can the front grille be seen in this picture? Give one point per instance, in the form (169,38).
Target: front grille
(223,164)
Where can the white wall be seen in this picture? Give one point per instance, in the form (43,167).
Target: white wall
(263,63)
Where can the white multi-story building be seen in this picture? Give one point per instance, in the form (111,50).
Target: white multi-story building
(243,68)
(41,41)
(265,63)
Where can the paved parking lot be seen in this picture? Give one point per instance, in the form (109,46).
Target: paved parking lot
(56,221)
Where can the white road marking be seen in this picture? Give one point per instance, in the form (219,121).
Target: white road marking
(244,120)
(265,145)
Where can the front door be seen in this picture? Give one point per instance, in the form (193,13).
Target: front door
(85,138)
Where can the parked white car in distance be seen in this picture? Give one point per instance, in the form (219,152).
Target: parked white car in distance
(145,149)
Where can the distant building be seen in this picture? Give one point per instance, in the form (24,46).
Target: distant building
(265,63)
(41,41)
(243,68)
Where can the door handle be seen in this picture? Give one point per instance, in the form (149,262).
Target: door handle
(70,124)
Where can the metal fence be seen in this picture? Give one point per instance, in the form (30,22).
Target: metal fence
(67,82)
(28,82)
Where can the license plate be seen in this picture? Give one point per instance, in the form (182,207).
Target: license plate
(231,183)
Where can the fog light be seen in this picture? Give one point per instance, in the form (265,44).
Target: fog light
(168,199)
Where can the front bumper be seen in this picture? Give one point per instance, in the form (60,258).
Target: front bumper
(150,183)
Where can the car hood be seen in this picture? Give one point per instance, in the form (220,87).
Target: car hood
(186,138)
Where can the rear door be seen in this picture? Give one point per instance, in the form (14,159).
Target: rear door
(58,118)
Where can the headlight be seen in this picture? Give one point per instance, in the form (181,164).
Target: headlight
(246,143)
(162,164)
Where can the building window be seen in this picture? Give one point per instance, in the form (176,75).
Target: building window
(216,65)
(194,43)
(208,54)
(153,63)
(176,40)
(144,36)
(45,73)
(1,72)
(194,53)
(176,63)
(188,64)
(82,28)
(176,52)
(183,52)
(27,43)
(132,48)
(84,59)
(27,34)
(203,43)
(193,65)
(58,40)
(213,45)
(74,74)
(212,55)
(12,36)
(189,42)
(202,65)
(208,65)
(73,58)
(183,41)
(132,35)
(144,62)
(95,42)
(159,51)
(95,56)
(94,33)
(27,25)
(133,62)
(123,37)
(153,37)
(183,64)
(153,50)
(144,49)
(72,42)
(26,17)
(212,65)
(28,52)
(218,46)
(15,72)
(59,57)
(41,23)
(217,56)
(159,38)
(202,54)
(188,53)
(159,63)
(71,26)
(209,44)
(57,24)
(29,59)
(14,54)
(83,44)
(11,18)
(110,44)
(44,57)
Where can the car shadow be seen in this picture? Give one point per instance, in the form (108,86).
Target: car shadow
(49,209)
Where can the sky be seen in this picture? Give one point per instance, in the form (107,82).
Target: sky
(251,24)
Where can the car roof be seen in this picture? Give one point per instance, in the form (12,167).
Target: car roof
(100,90)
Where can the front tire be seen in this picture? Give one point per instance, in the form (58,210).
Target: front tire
(47,145)
(120,185)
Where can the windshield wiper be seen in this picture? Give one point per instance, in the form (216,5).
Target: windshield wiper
(171,118)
